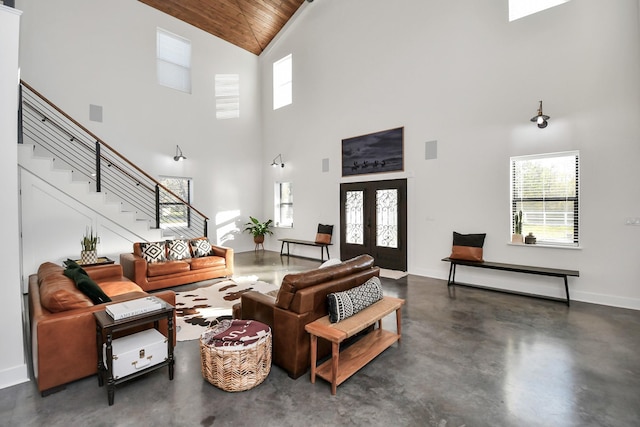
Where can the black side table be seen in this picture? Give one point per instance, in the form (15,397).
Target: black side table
(103,260)
(105,328)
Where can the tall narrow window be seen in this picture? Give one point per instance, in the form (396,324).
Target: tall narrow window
(354,214)
(387,218)
(227,96)
(173,212)
(283,82)
(283,203)
(546,189)
(521,8)
(173,61)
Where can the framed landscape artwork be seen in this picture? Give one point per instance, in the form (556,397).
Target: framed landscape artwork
(373,153)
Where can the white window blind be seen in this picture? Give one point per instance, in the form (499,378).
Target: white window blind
(546,189)
(283,82)
(173,61)
(227,96)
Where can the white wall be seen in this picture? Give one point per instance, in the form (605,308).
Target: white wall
(13,367)
(459,73)
(104,53)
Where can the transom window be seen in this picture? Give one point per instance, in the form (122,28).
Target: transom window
(546,189)
(283,82)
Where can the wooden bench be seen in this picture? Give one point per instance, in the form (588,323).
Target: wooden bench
(322,246)
(342,365)
(543,271)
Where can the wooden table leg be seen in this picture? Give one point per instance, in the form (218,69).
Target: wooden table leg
(314,356)
(335,358)
(399,322)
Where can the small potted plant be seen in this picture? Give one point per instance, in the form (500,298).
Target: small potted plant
(88,255)
(516,237)
(258,229)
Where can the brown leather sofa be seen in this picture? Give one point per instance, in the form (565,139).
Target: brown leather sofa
(165,274)
(302,298)
(63,328)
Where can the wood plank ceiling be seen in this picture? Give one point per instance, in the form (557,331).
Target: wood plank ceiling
(249,24)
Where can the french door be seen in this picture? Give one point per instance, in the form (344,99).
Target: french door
(373,220)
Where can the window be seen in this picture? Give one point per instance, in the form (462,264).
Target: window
(173,212)
(173,61)
(282,82)
(227,96)
(521,8)
(546,189)
(283,202)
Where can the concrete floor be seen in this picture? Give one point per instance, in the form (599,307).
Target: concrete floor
(481,359)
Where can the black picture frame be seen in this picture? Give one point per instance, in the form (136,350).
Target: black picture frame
(376,152)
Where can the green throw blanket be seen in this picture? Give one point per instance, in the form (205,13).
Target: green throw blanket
(84,283)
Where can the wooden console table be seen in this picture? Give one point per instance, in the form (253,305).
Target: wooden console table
(342,365)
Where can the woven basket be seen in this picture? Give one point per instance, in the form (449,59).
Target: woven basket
(236,368)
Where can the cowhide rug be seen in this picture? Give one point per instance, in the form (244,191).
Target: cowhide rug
(197,308)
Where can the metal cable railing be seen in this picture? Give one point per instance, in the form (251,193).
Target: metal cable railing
(74,147)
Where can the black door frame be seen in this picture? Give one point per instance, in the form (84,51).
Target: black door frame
(392,258)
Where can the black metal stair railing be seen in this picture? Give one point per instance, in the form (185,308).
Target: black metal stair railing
(74,147)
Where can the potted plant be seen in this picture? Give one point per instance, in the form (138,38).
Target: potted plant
(258,229)
(88,255)
(516,237)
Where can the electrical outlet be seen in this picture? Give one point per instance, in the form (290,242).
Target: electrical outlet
(632,221)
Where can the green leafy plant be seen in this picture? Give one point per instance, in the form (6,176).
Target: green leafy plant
(257,228)
(89,241)
(517,221)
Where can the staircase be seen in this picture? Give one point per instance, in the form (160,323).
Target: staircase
(48,132)
(83,192)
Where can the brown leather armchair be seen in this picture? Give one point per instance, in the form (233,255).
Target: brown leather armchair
(302,298)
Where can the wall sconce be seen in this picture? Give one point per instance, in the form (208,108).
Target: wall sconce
(178,157)
(540,119)
(276,164)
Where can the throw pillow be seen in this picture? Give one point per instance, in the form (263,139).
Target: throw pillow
(347,303)
(330,262)
(86,285)
(200,247)
(467,247)
(153,251)
(178,249)
(324,233)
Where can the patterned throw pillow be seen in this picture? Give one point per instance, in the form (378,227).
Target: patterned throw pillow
(153,251)
(178,249)
(347,303)
(200,247)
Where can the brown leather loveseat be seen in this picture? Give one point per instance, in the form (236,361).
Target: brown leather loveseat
(302,298)
(167,273)
(63,328)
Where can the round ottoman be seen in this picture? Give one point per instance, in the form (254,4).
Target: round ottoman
(236,354)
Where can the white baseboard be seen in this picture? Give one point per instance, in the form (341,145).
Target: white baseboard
(13,376)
